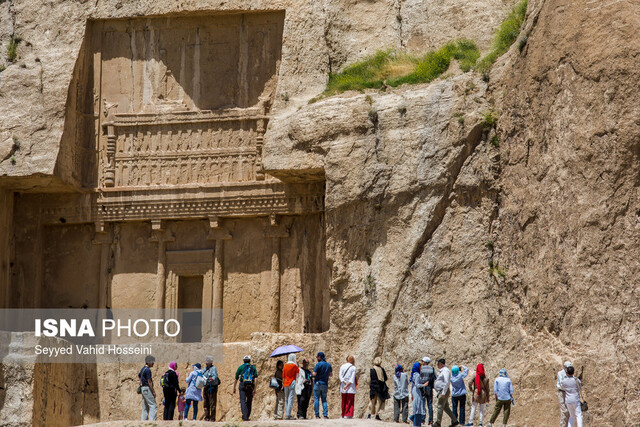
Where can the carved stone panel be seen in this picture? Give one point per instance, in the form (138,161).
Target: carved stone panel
(184,101)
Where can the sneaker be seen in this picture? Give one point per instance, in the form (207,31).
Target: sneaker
(325,417)
(317,417)
(378,418)
(469,425)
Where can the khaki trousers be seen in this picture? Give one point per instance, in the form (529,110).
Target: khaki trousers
(502,404)
(443,405)
(376,405)
(564,412)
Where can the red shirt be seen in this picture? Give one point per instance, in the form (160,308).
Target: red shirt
(289,373)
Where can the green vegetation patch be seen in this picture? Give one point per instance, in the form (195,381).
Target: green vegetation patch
(392,68)
(505,37)
(12,49)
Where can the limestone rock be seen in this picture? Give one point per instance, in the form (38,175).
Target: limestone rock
(6,148)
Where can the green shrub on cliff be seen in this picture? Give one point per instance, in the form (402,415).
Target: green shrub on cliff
(12,49)
(393,68)
(507,34)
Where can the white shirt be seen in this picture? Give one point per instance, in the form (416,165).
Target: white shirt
(561,376)
(571,387)
(348,375)
(443,380)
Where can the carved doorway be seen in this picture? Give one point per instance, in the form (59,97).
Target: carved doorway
(190,290)
(189,284)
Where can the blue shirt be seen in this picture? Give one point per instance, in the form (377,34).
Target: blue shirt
(457,383)
(503,388)
(145,376)
(322,370)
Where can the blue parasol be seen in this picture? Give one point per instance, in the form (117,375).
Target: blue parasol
(285,349)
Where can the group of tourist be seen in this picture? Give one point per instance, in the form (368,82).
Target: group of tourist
(202,384)
(292,383)
(425,383)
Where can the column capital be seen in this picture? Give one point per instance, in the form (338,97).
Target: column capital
(161,235)
(217,230)
(277,227)
(102,237)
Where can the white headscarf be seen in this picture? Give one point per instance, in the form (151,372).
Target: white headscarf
(292,359)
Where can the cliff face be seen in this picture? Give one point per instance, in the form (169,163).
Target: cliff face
(517,251)
(411,196)
(518,257)
(569,212)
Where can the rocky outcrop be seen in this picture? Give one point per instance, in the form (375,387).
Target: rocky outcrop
(411,194)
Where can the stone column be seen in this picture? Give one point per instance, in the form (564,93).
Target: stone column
(103,238)
(218,233)
(161,236)
(275,231)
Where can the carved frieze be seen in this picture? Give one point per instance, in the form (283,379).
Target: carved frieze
(262,198)
(183,148)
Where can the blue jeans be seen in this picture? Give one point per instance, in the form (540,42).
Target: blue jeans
(418,419)
(187,406)
(429,400)
(320,391)
(459,402)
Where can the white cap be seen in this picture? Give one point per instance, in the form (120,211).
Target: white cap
(426,359)
(567,364)
(247,357)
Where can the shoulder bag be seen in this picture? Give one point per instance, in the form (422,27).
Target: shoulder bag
(583,403)
(274,383)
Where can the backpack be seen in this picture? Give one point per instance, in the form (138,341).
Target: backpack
(200,380)
(247,374)
(164,380)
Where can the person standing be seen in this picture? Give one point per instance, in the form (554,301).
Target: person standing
(246,374)
(417,384)
(400,395)
(170,389)
(181,402)
(210,391)
(278,411)
(321,373)
(193,394)
(348,387)
(564,411)
(458,392)
(503,389)
(442,387)
(428,374)
(572,388)
(149,406)
(378,389)
(305,396)
(479,387)
(289,375)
